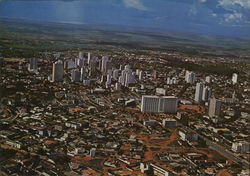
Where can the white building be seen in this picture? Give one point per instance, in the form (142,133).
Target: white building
(208,79)
(186,135)
(169,123)
(214,107)
(198,92)
(190,77)
(141,75)
(241,147)
(206,93)
(109,79)
(83,72)
(127,77)
(14,144)
(104,64)
(157,104)
(161,91)
(117,86)
(57,72)
(89,58)
(157,170)
(235,78)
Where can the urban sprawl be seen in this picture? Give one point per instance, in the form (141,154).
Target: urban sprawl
(79,114)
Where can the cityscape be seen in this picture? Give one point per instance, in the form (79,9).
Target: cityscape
(116,103)
(79,113)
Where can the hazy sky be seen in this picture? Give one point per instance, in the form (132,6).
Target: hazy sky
(223,17)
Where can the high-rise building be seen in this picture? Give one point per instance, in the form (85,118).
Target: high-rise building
(57,73)
(82,74)
(71,64)
(198,92)
(110,72)
(92,152)
(137,71)
(117,86)
(89,58)
(109,78)
(235,78)
(121,67)
(80,55)
(169,80)
(206,93)
(75,75)
(158,104)
(214,107)
(208,79)
(92,63)
(141,75)
(127,67)
(116,74)
(127,77)
(32,66)
(190,77)
(104,64)
(80,62)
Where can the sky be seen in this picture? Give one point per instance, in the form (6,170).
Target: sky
(213,17)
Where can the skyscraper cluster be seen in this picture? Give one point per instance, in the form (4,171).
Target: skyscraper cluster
(127,76)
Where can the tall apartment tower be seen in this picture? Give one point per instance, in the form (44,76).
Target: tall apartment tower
(80,56)
(127,77)
(32,66)
(198,92)
(208,79)
(206,93)
(235,78)
(116,74)
(214,107)
(158,104)
(141,75)
(190,77)
(89,58)
(104,64)
(57,72)
(75,75)
(109,79)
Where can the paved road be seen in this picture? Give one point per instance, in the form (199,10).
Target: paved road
(222,150)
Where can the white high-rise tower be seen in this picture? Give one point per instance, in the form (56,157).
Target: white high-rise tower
(214,107)
(57,73)
(198,92)
(235,78)
(104,64)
